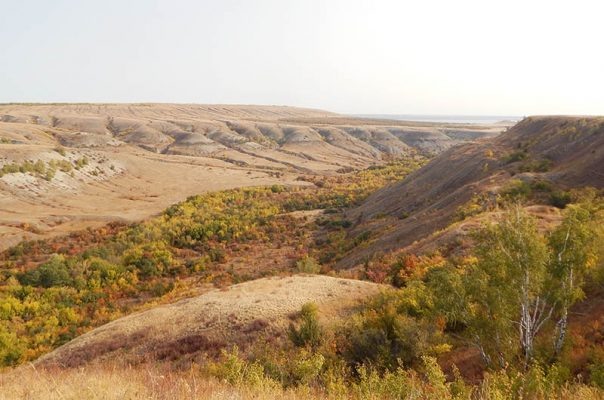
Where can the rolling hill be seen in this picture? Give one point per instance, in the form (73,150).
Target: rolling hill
(548,154)
(199,327)
(67,167)
(204,240)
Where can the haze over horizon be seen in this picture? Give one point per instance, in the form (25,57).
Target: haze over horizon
(353,57)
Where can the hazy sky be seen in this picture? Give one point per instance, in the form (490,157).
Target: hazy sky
(430,57)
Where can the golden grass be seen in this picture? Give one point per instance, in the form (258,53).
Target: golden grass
(108,382)
(152,382)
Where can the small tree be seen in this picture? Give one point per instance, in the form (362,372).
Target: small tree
(513,260)
(500,296)
(309,331)
(574,246)
(308,265)
(518,282)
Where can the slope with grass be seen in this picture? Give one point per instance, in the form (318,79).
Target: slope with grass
(365,340)
(540,159)
(198,327)
(56,289)
(144,157)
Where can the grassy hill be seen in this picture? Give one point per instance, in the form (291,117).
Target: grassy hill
(538,160)
(141,158)
(460,246)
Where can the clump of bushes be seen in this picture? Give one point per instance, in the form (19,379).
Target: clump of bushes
(52,273)
(543,165)
(81,162)
(516,190)
(560,198)
(308,332)
(308,265)
(39,168)
(515,157)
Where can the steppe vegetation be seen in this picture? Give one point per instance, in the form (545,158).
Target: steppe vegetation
(516,312)
(41,169)
(55,290)
(510,300)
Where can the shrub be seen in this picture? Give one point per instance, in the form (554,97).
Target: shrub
(309,332)
(237,371)
(385,334)
(277,188)
(560,199)
(52,273)
(81,162)
(306,368)
(308,265)
(596,374)
(11,349)
(515,156)
(516,190)
(151,259)
(543,165)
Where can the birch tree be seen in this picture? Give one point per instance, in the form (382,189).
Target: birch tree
(513,256)
(574,244)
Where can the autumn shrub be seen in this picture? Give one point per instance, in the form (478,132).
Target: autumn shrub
(308,332)
(596,374)
(11,350)
(52,273)
(151,259)
(308,265)
(390,331)
(233,369)
(305,368)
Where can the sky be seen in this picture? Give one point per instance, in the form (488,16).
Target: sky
(462,57)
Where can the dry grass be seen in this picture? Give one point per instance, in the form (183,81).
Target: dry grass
(426,202)
(109,382)
(154,382)
(203,325)
(162,153)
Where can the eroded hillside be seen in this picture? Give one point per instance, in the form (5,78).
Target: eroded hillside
(159,292)
(540,157)
(95,163)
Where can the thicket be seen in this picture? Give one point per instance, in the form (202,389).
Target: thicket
(51,292)
(510,300)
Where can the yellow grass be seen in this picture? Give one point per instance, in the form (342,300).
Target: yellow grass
(123,383)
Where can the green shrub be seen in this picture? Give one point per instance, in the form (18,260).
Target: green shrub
(560,199)
(277,188)
(308,265)
(515,156)
(52,273)
(11,350)
(516,190)
(238,372)
(596,374)
(306,368)
(385,334)
(543,165)
(309,331)
(151,259)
